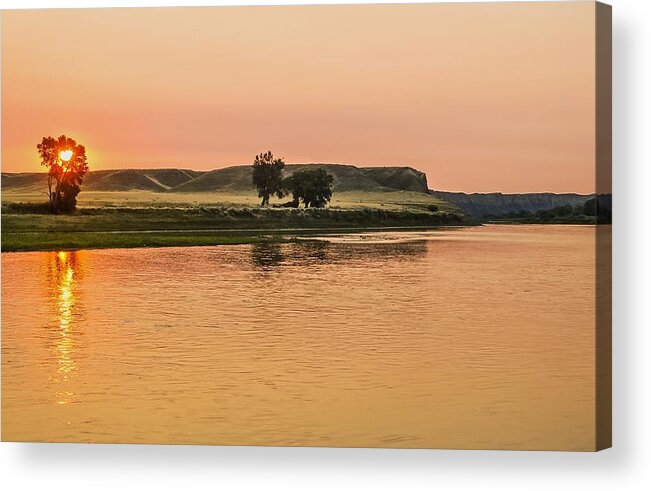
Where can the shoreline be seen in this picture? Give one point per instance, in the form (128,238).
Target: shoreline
(113,239)
(126,227)
(92,240)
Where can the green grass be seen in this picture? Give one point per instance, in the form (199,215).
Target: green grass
(145,219)
(48,241)
(387,200)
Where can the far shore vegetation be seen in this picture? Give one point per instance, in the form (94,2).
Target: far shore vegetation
(594,210)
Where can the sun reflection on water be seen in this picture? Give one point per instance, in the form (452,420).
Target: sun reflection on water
(64,270)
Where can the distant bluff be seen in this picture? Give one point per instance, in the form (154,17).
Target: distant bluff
(346,178)
(235,179)
(479,205)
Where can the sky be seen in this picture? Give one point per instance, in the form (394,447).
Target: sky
(481,97)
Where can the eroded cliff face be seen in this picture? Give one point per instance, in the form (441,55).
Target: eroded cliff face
(401,178)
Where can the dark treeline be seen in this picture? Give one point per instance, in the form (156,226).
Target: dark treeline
(595,210)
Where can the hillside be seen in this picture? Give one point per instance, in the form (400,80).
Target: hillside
(232,179)
(173,207)
(479,205)
(157,180)
(346,178)
(388,187)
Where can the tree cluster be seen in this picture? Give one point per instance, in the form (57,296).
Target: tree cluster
(312,187)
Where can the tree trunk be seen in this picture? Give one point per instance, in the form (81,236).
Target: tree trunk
(50,193)
(56,203)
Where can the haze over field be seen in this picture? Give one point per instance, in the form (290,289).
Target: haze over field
(469,94)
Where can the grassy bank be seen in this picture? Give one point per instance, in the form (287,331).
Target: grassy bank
(50,241)
(346,200)
(26,227)
(148,219)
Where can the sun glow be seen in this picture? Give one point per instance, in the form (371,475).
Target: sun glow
(65,155)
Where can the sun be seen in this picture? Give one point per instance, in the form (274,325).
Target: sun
(65,155)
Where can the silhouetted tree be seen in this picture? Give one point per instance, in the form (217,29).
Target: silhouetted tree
(312,186)
(268,176)
(67,166)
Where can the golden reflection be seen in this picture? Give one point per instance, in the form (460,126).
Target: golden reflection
(64,269)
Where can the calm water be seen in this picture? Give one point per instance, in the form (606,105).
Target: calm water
(477,338)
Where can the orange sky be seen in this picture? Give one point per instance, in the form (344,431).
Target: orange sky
(482,97)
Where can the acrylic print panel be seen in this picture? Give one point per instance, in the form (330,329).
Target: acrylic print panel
(347,226)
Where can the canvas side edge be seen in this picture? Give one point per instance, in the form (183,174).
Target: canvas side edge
(603,185)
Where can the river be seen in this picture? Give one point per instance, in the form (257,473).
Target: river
(479,337)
